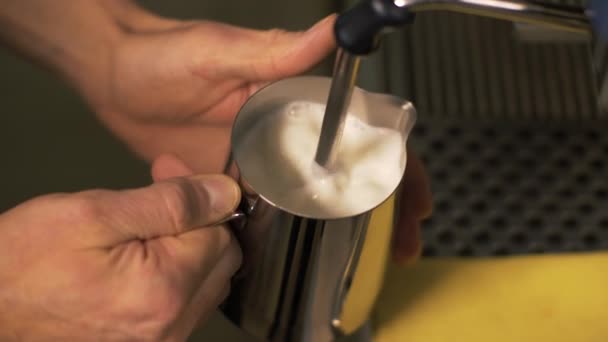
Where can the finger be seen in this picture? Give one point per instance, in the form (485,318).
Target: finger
(169,166)
(200,252)
(284,53)
(415,206)
(294,53)
(407,244)
(417,196)
(223,113)
(167,208)
(216,287)
(162,138)
(203,262)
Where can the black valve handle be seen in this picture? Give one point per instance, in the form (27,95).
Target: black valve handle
(359,29)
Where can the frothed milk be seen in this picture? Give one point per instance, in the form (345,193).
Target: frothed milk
(282,146)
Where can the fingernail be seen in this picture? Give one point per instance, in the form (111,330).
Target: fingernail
(321,22)
(224,193)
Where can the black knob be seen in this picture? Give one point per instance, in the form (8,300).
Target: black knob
(360,28)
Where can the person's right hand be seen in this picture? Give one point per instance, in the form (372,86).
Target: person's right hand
(135,265)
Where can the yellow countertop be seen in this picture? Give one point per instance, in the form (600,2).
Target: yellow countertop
(533,298)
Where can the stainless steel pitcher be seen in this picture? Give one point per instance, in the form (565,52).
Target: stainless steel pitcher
(309,278)
(315,278)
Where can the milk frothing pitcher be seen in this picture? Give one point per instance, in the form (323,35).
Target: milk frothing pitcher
(308,278)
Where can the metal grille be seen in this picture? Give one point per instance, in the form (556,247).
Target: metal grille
(508,188)
(510,131)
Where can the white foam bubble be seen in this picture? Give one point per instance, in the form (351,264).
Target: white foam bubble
(278,155)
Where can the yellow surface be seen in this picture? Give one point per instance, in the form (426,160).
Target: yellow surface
(542,298)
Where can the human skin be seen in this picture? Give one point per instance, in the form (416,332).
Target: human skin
(169,89)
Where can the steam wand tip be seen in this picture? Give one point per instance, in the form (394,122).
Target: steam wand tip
(336,110)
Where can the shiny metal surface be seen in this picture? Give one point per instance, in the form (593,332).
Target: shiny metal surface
(343,82)
(237,215)
(308,279)
(559,17)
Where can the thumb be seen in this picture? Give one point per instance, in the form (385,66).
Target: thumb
(168,166)
(277,54)
(169,207)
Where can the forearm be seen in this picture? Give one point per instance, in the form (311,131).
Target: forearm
(69,36)
(75,38)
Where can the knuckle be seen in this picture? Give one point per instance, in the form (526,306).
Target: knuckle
(183,202)
(275,35)
(85,206)
(225,292)
(230,248)
(223,238)
(280,47)
(237,259)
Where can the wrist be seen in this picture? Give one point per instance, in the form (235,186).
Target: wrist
(89,55)
(72,37)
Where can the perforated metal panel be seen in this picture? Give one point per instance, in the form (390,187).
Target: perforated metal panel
(514,188)
(510,133)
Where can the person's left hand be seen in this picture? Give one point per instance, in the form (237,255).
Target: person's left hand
(175,87)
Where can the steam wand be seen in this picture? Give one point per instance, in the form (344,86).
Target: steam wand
(358,32)
(343,82)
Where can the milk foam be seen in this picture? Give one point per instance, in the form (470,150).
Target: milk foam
(277,155)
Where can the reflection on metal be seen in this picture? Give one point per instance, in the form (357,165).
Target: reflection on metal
(342,85)
(569,18)
(309,279)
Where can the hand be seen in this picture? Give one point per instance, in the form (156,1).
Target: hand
(175,87)
(415,206)
(135,265)
(169,86)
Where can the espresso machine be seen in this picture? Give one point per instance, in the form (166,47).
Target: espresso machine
(316,278)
